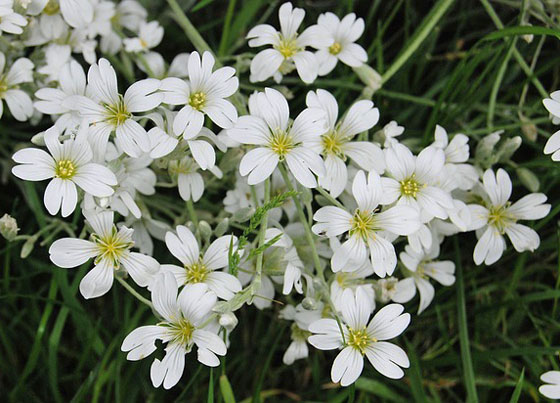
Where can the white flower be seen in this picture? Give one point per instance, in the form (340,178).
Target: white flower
(361,338)
(189,181)
(343,33)
(10,21)
(19,103)
(288,47)
(552,146)
(422,266)
(111,250)
(77,13)
(336,143)
(365,227)
(202,268)
(181,328)
(500,217)
(107,111)
(72,81)
(130,14)
(551,388)
(157,65)
(68,165)
(203,94)
(150,35)
(269,128)
(412,181)
(390,131)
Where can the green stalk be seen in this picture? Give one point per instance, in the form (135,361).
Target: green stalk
(262,230)
(518,57)
(135,293)
(418,37)
(498,83)
(192,213)
(327,196)
(468,371)
(303,219)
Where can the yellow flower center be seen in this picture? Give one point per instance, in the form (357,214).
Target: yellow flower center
(359,339)
(117,114)
(52,7)
(281,143)
(298,333)
(499,218)
(287,47)
(143,43)
(197,100)
(196,273)
(112,247)
(3,85)
(410,186)
(363,224)
(64,169)
(332,143)
(335,48)
(182,332)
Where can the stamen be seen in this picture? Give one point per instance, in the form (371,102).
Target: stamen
(335,48)
(197,100)
(410,186)
(64,169)
(359,339)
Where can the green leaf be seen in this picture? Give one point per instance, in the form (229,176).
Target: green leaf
(211,387)
(379,389)
(521,30)
(226,390)
(518,388)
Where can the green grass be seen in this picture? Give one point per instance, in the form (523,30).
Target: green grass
(489,337)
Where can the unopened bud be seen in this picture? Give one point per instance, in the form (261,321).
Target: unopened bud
(528,179)
(222,227)
(508,148)
(27,247)
(243,214)
(369,76)
(529,129)
(228,320)
(309,304)
(205,230)
(8,227)
(39,139)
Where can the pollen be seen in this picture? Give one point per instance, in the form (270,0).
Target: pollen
(335,48)
(499,218)
(113,247)
(287,47)
(52,7)
(281,143)
(410,186)
(64,169)
(118,113)
(332,143)
(363,224)
(197,100)
(359,339)
(143,43)
(182,332)
(196,273)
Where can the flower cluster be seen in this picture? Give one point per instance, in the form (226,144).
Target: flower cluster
(318,204)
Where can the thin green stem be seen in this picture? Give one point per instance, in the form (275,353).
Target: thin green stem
(192,213)
(518,57)
(418,37)
(498,83)
(135,293)
(262,230)
(303,219)
(327,196)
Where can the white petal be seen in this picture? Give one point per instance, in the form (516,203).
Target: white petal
(347,366)
(98,281)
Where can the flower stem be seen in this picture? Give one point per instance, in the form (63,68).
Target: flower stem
(327,196)
(418,37)
(134,292)
(192,213)
(263,227)
(303,219)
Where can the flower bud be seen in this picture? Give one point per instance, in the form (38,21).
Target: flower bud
(27,247)
(8,227)
(39,139)
(228,320)
(243,214)
(222,227)
(508,148)
(309,304)
(528,179)
(369,76)
(205,230)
